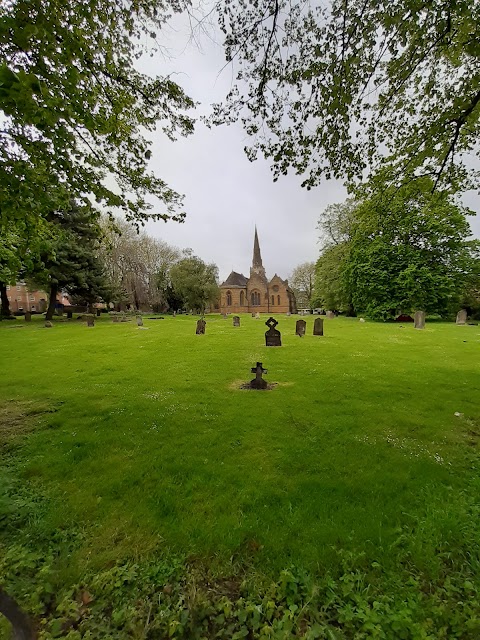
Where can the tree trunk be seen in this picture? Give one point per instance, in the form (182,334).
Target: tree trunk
(21,625)
(51,302)
(5,310)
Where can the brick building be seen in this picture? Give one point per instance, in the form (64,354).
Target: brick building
(239,294)
(22,299)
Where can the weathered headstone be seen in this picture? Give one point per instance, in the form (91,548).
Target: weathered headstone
(258,382)
(330,314)
(139,321)
(200,327)
(28,316)
(318,327)
(253,315)
(236,321)
(69,315)
(419,320)
(48,324)
(300,328)
(362,320)
(90,320)
(98,313)
(273,337)
(257,315)
(462,316)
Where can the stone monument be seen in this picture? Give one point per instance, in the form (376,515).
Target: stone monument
(318,327)
(462,316)
(330,314)
(419,320)
(139,321)
(300,328)
(258,382)
(90,319)
(273,337)
(236,321)
(201,324)
(28,316)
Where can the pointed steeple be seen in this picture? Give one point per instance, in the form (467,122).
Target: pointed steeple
(257,265)
(257,257)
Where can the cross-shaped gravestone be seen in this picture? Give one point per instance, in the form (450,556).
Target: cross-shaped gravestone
(273,337)
(258,382)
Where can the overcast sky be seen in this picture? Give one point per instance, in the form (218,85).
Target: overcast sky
(225,194)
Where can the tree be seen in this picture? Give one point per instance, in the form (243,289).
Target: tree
(331,289)
(409,250)
(75,108)
(195,282)
(334,89)
(302,281)
(68,260)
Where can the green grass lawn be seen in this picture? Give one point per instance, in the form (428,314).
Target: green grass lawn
(141,443)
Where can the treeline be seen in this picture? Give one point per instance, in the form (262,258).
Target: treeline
(103,259)
(393,250)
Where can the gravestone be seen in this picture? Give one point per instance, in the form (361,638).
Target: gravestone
(28,316)
(288,313)
(48,324)
(115,317)
(258,382)
(318,327)
(98,313)
(224,316)
(419,320)
(139,321)
(236,321)
(300,328)
(90,320)
(330,314)
(462,316)
(362,320)
(253,315)
(200,327)
(69,315)
(257,315)
(273,337)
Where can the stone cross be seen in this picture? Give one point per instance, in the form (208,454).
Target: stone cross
(258,382)
(419,320)
(273,337)
(201,324)
(462,316)
(139,321)
(236,321)
(28,316)
(318,327)
(300,328)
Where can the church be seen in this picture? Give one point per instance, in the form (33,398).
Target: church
(239,294)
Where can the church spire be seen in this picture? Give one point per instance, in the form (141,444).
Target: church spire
(257,266)
(257,257)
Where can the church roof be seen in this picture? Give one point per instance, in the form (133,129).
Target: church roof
(235,280)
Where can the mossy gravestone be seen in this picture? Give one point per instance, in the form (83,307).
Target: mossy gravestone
(236,321)
(462,316)
(273,337)
(419,320)
(201,324)
(300,328)
(318,327)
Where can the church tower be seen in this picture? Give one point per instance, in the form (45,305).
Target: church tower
(257,268)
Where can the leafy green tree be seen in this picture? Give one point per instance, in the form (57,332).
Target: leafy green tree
(75,108)
(409,250)
(333,89)
(68,260)
(331,288)
(195,282)
(302,282)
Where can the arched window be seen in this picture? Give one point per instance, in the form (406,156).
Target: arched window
(252,297)
(278,299)
(229,298)
(255,298)
(242,298)
(258,297)
(273,300)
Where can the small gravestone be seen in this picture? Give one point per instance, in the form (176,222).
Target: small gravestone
(462,316)
(90,320)
(236,321)
(300,328)
(258,382)
(69,315)
(28,316)
(330,314)
(257,315)
(253,315)
(200,327)
(224,316)
(98,313)
(362,320)
(318,327)
(419,320)
(273,337)
(48,324)
(139,321)
(174,314)
(288,313)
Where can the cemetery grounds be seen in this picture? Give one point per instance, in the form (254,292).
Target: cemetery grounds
(144,494)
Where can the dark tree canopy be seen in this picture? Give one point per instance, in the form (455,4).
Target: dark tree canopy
(74,107)
(333,89)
